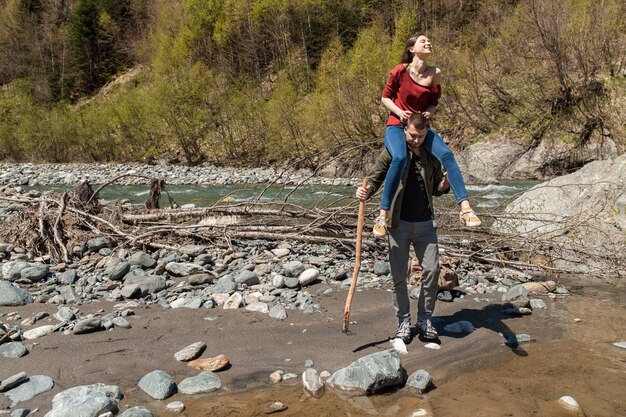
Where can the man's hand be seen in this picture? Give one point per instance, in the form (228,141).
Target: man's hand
(444,185)
(363,193)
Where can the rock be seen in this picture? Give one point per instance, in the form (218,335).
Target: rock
(68,277)
(278,281)
(183,269)
(191,352)
(142,259)
(540,287)
(38,332)
(278,312)
(280,253)
(448,279)
(516,339)
(35,385)
(121,322)
(273,407)
(233,302)
(433,346)
(12,270)
(570,404)
(21,412)
(199,279)
(370,373)
(382,268)
(211,364)
(595,192)
(517,311)
(194,303)
(258,307)
(13,350)
(489,160)
(64,314)
(117,269)
(11,295)
(225,285)
(137,412)
(158,385)
(12,381)
(621,345)
(193,250)
(312,383)
(399,345)
(176,407)
(289,375)
(247,277)
(536,304)
(147,284)
(97,243)
(35,273)
(276,376)
(444,295)
(203,383)
(293,268)
(459,327)
(517,295)
(292,282)
(88,326)
(308,276)
(87,401)
(420,381)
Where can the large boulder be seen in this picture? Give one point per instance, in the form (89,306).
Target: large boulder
(85,401)
(581,216)
(370,373)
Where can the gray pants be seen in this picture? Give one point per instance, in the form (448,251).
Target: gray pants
(423,236)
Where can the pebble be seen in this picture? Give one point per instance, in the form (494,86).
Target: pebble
(289,375)
(433,346)
(621,345)
(570,404)
(312,383)
(273,407)
(176,407)
(202,383)
(13,350)
(38,332)
(211,364)
(399,346)
(12,381)
(158,385)
(516,339)
(233,302)
(191,352)
(308,276)
(35,385)
(276,376)
(137,412)
(420,381)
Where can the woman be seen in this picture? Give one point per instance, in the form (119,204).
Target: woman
(414,86)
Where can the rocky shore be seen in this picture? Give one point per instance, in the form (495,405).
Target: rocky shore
(265,278)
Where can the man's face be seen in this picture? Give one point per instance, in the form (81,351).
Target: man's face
(415,137)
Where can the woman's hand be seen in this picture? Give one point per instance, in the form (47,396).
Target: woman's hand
(404,116)
(426,114)
(363,193)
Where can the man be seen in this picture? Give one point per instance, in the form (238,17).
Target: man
(412,221)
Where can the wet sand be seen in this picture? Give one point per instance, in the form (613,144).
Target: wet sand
(475,374)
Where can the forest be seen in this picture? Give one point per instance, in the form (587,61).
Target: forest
(260,82)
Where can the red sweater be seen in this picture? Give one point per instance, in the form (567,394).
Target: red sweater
(407,94)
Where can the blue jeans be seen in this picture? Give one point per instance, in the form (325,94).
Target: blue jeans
(395,142)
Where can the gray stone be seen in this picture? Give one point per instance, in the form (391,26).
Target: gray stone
(20,412)
(597,190)
(117,269)
(292,282)
(308,276)
(278,281)
(370,373)
(97,243)
(516,339)
(35,273)
(247,277)
(68,277)
(64,314)
(193,303)
(85,401)
(191,352)
(38,332)
(176,407)
(193,250)
(280,252)
(278,312)
(234,301)
(381,268)
(200,384)
(12,381)
(537,303)
(293,268)
(199,279)
(142,259)
(11,295)
(420,381)
(69,294)
(183,269)
(225,285)
(149,284)
(258,307)
(462,326)
(121,322)
(517,295)
(13,350)
(35,385)
(137,412)
(88,326)
(312,382)
(12,270)
(158,385)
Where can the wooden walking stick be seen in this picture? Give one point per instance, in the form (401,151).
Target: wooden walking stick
(357,262)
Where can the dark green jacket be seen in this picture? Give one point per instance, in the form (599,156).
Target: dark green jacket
(430,170)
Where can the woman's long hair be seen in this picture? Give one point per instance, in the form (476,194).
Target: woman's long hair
(407,56)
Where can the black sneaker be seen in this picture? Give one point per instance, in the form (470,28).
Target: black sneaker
(404,331)
(426,329)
